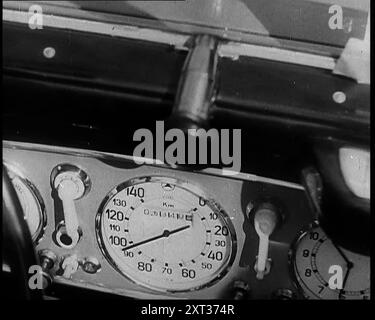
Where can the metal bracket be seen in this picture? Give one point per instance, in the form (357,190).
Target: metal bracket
(195,91)
(354,61)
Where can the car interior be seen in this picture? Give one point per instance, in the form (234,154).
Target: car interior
(281,88)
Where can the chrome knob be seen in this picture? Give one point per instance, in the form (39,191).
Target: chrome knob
(47,261)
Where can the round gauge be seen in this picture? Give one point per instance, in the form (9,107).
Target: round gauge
(165,234)
(31,203)
(324,270)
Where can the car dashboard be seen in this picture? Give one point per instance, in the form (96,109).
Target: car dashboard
(227,242)
(108,222)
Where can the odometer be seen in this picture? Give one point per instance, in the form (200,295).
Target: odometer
(165,234)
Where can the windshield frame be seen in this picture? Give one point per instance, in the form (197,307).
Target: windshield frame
(182,29)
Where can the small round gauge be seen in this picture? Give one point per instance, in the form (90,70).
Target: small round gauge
(164,234)
(31,202)
(324,270)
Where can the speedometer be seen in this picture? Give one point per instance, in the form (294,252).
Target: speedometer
(165,234)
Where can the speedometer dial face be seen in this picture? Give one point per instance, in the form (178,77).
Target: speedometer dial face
(165,234)
(324,270)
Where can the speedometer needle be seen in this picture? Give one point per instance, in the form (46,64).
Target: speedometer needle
(347,261)
(349,267)
(165,234)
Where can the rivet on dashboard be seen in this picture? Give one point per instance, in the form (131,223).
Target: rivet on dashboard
(339,97)
(49,52)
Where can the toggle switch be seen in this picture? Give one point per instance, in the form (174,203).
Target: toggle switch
(69,266)
(71,184)
(266,218)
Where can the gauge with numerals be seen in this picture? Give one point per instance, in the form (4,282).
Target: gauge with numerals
(324,270)
(165,234)
(31,203)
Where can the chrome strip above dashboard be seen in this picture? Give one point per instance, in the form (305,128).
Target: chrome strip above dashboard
(113,156)
(230,49)
(115,30)
(234,50)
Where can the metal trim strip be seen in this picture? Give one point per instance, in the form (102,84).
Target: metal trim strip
(230,49)
(108,156)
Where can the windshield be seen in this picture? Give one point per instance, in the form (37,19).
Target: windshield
(319,21)
(306,24)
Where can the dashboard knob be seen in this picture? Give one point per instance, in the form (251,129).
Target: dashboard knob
(241,290)
(47,261)
(266,218)
(283,294)
(69,265)
(71,183)
(91,265)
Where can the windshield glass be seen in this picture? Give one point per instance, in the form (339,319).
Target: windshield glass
(319,21)
(323,26)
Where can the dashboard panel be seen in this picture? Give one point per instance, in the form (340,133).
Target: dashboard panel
(153,231)
(229,198)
